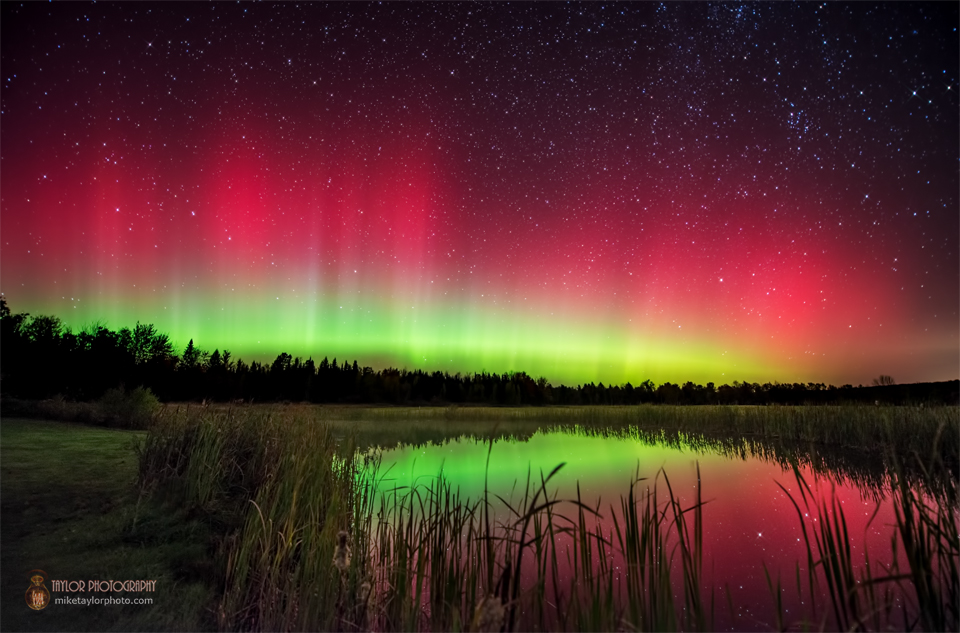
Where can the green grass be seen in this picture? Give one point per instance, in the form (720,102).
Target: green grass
(70,507)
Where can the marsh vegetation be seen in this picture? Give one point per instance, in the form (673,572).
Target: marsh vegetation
(318,534)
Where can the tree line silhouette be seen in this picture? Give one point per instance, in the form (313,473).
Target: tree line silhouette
(40,358)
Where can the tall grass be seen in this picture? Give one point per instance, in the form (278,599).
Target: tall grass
(918,589)
(850,439)
(283,487)
(910,428)
(850,443)
(317,537)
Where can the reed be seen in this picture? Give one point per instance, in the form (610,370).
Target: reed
(920,584)
(846,438)
(911,428)
(317,537)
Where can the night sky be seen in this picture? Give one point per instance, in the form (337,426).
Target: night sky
(588,192)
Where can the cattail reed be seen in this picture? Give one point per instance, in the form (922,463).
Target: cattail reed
(341,555)
(488,616)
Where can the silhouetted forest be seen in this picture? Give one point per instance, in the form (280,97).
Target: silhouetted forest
(40,358)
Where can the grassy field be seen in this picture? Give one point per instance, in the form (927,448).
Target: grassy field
(263,518)
(70,506)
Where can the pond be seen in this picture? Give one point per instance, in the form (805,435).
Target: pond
(750,525)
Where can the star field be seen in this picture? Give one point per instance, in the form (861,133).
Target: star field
(591,192)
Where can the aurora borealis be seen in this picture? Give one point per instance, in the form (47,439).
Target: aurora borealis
(588,192)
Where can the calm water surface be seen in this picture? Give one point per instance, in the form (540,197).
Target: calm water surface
(748,521)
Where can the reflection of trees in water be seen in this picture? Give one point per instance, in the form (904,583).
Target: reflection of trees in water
(870,470)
